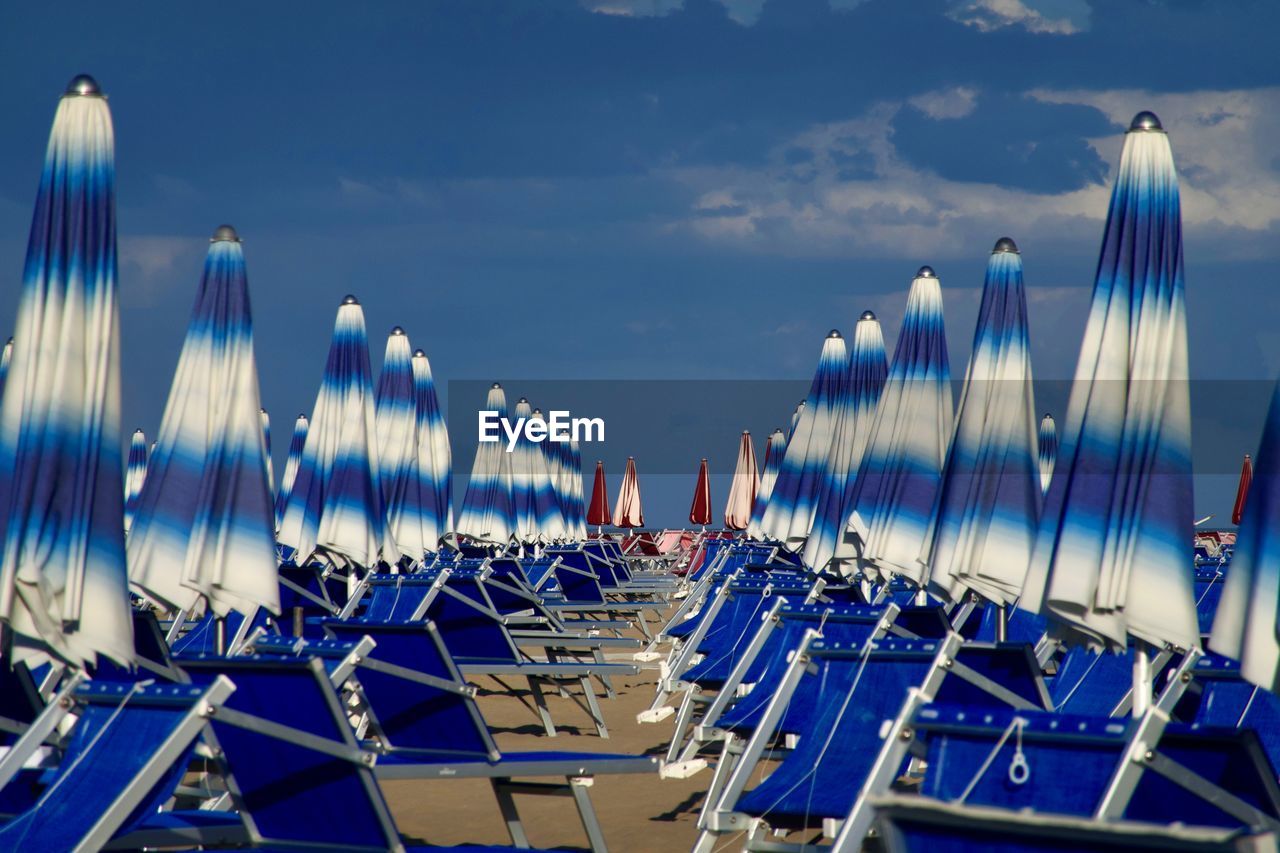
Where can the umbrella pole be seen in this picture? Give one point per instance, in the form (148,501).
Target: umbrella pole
(1142,679)
(220,635)
(1002,623)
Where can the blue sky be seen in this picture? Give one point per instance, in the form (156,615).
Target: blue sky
(650,189)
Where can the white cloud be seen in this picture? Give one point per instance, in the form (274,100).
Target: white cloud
(946,103)
(149,264)
(1223,142)
(990,15)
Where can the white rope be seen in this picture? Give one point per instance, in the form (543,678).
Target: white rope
(1018,769)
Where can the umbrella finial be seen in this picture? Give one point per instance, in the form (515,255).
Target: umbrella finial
(834,333)
(419,354)
(397,331)
(139,430)
(1005,244)
(83,84)
(1145,120)
(350,299)
(746,432)
(926,272)
(868,315)
(497,386)
(225,234)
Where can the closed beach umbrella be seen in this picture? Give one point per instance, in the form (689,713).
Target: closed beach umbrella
(266,442)
(795,419)
(627,512)
(598,510)
(296,444)
(868,367)
(63,582)
(206,521)
(526,457)
(135,475)
(336,505)
(988,505)
(573,487)
(1246,626)
(1242,489)
(396,417)
(488,508)
(6,355)
(1110,558)
(774,448)
(742,491)
(547,463)
(794,501)
(1048,450)
(700,509)
(435,458)
(894,490)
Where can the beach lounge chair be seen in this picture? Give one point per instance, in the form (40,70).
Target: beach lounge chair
(868,694)
(424,725)
(119,763)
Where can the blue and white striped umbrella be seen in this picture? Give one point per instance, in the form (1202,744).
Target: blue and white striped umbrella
(775,447)
(336,505)
(1247,624)
(988,505)
(296,444)
(572,486)
(6,355)
(397,438)
(549,504)
(795,420)
(794,502)
(1110,558)
(893,493)
(868,368)
(135,475)
(266,442)
(435,458)
(206,523)
(1048,449)
(526,457)
(488,507)
(63,582)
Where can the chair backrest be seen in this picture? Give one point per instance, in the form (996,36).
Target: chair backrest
(123,759)
(399,596)
(415,715)
(1228,701)
(287,791)
(1070,760)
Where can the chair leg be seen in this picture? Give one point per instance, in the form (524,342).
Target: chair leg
(507,804)
(535,687)
(597,716)
(582,798)
(605,681)
(682,724)
(724,767)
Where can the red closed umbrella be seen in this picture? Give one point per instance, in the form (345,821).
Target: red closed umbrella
(598,509)
(1242,491)
(700,512)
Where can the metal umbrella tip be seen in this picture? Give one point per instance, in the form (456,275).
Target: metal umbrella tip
(496,386)
(138,430)
(419,354)
(834,333)
(1005,244)
(868,315)
(926,272)
(397,331)
(746,432)
(523,400)
(302,415)
(225,234)
(262,411)
(1145,120)
(83,84)
(349,299)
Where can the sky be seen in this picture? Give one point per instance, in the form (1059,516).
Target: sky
(648,192)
